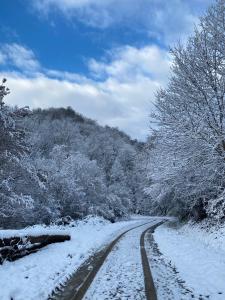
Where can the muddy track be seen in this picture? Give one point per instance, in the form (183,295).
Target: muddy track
(150,291)
(77,286)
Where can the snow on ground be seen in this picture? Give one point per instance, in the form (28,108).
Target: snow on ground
(168,284)
(198,256)
(121,276)
(33,231)
(34,277)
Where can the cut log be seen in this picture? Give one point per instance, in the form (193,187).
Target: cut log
(17,247)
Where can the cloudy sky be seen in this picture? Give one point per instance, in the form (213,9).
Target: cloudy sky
(104,58)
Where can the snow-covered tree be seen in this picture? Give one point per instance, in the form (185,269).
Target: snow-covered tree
(22,199)
(12,148)
(187,163)
(57,163)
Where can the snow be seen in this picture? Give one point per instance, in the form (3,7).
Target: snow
(35,276)
(198,256)
(121,276)
(34,231)
(168,284)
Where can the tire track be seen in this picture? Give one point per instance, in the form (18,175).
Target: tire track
(80,282)
(149,283)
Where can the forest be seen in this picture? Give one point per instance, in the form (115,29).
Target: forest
(56,164)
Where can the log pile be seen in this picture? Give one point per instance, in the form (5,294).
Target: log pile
(16,247)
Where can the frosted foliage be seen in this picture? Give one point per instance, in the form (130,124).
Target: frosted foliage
(187,161)
(59,165)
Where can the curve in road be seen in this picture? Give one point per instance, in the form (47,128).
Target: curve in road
(78,285)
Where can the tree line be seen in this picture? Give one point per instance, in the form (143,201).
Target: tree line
(57,164)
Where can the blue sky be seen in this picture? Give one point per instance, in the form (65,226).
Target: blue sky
(105,58)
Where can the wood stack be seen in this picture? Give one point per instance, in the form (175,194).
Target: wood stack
(16,247)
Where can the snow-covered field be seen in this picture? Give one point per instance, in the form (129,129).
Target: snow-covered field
(35,276)
(199,257)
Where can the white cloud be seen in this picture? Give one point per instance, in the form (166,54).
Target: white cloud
(126,106)
(166,21)
(19,57)
(128,63)
(121,98)
(2,58)
(91,12)
(64,75)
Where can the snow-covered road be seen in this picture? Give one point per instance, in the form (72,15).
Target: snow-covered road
(186,262)
(35,276)
(121,276)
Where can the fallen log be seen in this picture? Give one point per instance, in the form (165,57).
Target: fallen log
(16,247)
